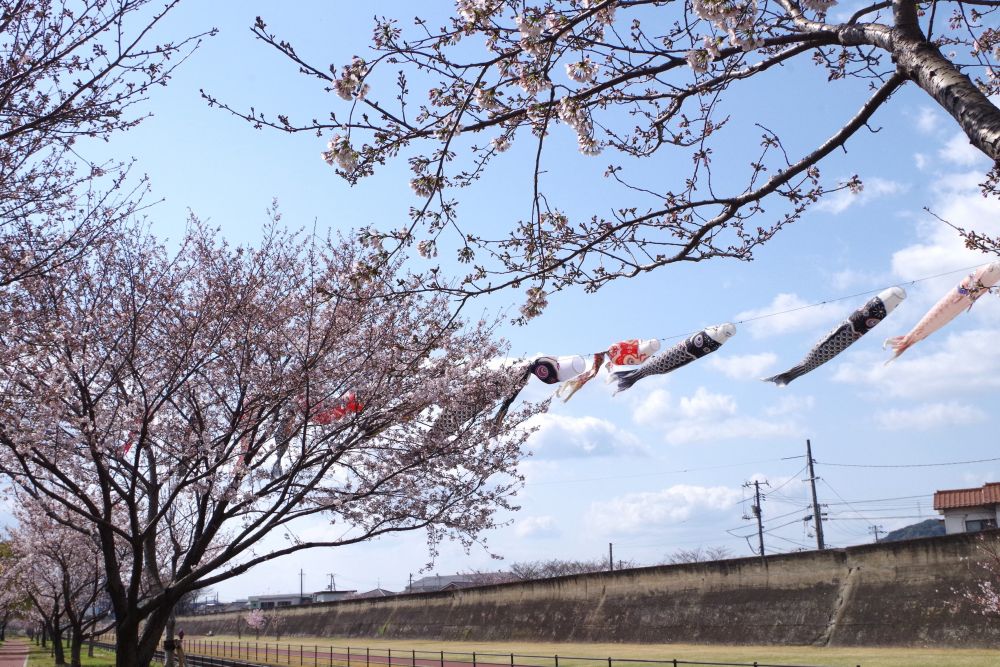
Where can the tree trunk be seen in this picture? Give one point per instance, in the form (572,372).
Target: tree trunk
(168,644)
(978,117)
(127,646)
(45,634)
(57,647)
(75,649)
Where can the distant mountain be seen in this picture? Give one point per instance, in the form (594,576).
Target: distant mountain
(928,528)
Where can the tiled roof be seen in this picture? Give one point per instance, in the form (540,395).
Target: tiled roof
(988,494)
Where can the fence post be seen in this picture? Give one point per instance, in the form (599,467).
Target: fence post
(557,660)
(442,658)
(473,659)
(413,658)
(348,656)
(609,661)
(390,657)
(511,660)
(367,655)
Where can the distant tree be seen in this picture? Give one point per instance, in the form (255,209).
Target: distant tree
(985,594)
(70,70)
(633,80)
(556,567)
(698,555)
(179,407)
(256,620)
(63,576)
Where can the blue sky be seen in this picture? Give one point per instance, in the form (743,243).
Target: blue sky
(661,466)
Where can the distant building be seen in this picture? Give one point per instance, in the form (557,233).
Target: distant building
(374,593)
(274,601)
(969,510)
(332,596)
(441,582)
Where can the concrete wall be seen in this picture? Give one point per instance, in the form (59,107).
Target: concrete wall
(893,594)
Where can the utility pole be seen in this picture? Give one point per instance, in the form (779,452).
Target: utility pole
(756,511)
(301,578)
(333,582)
(812,483)
(611,558)
(876,530)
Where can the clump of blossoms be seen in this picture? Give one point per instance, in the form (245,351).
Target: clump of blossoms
(818,6)
(351,83)
(468,9)
(340,153)
(582,71)
(577,117)
(536,303)
(606,15)
(733,17)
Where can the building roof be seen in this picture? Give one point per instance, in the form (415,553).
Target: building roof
(438,582)
(375,593)
(988,494)
(283,596)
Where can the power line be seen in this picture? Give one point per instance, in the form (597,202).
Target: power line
(820,303)
(652,474)
(907,465)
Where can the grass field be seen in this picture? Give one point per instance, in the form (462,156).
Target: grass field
(569,653)
(39,657)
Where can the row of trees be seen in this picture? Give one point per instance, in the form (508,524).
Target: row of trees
(164,410)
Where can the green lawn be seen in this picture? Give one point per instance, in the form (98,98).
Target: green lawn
(570,652)
(39,657)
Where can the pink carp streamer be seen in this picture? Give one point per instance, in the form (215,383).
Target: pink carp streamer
(948,307)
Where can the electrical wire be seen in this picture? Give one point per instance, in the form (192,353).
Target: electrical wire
(906,465)
(816,304)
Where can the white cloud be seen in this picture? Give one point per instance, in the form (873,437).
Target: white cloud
(651,511)
(562,436)
(789,405)
(940,249)
(742,367)
(705,416)
(796,315)
(873,188)
(920,160)
(536,526)
(927,120)
(929,416)
(965,362)
(959,151)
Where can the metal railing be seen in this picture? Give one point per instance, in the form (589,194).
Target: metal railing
(223,653)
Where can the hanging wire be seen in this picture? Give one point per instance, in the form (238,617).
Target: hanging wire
(816,304)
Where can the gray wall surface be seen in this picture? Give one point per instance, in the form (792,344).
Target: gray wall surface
(893,594)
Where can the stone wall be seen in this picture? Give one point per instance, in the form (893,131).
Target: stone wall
(892,594)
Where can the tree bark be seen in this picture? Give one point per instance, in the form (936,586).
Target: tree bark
(57,647)
(979,118)
(75,649)
(170,633)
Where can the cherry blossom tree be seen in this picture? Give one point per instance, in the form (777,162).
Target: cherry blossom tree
(632,81)
(256,620)
(984,595)
(63,577)
(179,407)
(14,604)
(70,70)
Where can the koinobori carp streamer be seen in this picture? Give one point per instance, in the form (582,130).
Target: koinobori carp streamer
(959,298)
(694,347)
(857,324)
